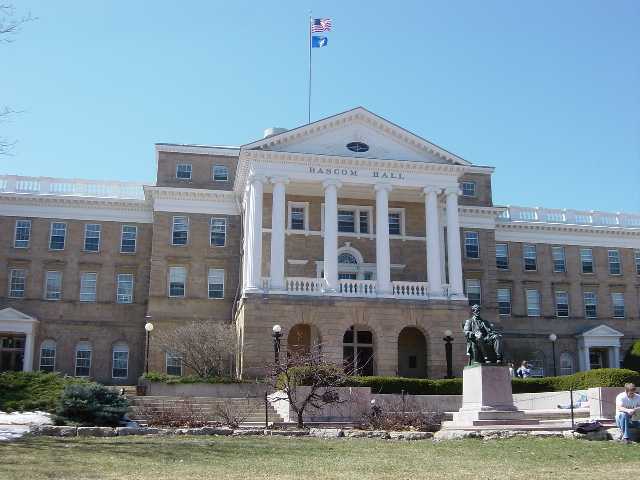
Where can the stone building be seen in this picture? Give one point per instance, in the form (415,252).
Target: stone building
(284,231)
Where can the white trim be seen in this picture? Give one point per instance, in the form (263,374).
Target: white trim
(197,149)
(305,206)
(184,293)
(193,200)
(218,270)
(291,261)
(15,232)
(403,231)
(211,220)
(564,235)
(135,247)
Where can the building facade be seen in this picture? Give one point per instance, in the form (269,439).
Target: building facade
(285,230)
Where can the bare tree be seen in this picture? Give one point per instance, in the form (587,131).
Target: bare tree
(307,380)
(205,347)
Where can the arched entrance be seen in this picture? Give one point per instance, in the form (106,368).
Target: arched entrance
(357,351)
(412,353)
(301,338)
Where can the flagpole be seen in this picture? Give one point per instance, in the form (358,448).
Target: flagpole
(309,99)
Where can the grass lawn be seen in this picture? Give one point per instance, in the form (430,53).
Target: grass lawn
(295,458)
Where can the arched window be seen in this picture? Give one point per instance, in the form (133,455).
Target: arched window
(120,365)
(348,258)
(48,356)
(566,363)
(83,359)
(357,351)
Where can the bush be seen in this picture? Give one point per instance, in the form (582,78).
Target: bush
(173,379)
(632,358)
(411,386)
(32,390)
(91,404)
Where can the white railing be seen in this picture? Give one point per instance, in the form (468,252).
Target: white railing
(569,217)
(70,187)
(357,288)
(304,286)
(410,290)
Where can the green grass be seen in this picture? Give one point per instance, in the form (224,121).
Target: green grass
(187,458)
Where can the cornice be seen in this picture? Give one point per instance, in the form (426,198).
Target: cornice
(200,194)
(569,229)
(198,149)
(74,201)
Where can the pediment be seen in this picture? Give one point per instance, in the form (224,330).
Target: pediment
(602,331)
(330,136)
(11,314)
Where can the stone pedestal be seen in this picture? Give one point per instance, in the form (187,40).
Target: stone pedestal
(487,399)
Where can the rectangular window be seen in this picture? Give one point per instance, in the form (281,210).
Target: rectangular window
(586,260)
(533,303)
(590,305)
(220,173)
(57,236)
(22,234)
(473,291)
(471,245)
(120,362)
(128,239)
(17,282)
(395,223)
(297,218)
(83,363)
(502,256)
(88,286)
(617,300)
(177,280)
(637,257)
(468,189)
(53,286)
(215,281)
(183,171)
(346,221)
(180,231)
(217,232)
(364,222)
(504,301)
(559,262)
(614,262)
(124,291)
(530,258)
(562,304)
(174,364)
(47,356)
(92,237)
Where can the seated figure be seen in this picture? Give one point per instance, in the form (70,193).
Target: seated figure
(484,344)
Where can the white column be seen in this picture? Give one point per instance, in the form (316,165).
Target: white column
(278,221)
(27,362)
(383,254)
(434,272)
(453,243)
(331,234)
(254,244)
(245,239)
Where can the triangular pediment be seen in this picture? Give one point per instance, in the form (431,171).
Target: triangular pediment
(11,314)
(384,139)
(602,331)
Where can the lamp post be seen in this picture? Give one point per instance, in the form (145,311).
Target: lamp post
(148,327)
(448,349)
(553,337)
(277,334)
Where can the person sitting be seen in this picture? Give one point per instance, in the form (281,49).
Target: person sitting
(524,371)
(627,405)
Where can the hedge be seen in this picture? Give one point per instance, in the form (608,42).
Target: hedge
(32,390)
(174,379)
(632,358)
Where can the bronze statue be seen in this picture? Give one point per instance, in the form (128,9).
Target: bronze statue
(484,344)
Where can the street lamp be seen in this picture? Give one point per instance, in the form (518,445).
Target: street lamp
(448,349)
(277,334)
(552,338)
(148,327)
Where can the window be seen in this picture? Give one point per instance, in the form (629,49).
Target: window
(529,256)
(358,147)
(92,237)
(502,256)
(215,281)
(533,303)
(124,290)
(298,216)
(88,286)
(586,260)
(120,366)
(468,189)
(57,236)
(559,263)
(177,279)
(471,245)
(53,286)
(357,351)
(614,262)
(220,173)
(217,232)
(183,171)
(617,300)
(566,363)
(22,234)
(346,221)
(174,364)
(590,305)
(48,356)
(180,231)
(504,301)
(473,291)
(17,282)
(395,223)
(364,221)
(562,304)
(637,257)
(83,359)
(128,239)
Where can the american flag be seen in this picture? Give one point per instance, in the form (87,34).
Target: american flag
(321,25)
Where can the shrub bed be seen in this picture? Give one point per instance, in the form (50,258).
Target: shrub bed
(32,390)
(91,404)
(175,379)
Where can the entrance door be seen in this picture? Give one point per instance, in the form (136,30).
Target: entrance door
(598,358)
(11,352)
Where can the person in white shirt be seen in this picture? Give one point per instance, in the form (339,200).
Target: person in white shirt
(524,371)
(627,405)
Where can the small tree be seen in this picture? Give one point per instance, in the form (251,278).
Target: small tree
(632,358)
(310,370)
(204,346)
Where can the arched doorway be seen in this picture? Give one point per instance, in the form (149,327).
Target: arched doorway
(301,338)
(412,353)
(357,351)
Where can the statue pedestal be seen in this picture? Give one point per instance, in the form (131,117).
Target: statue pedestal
(487,399)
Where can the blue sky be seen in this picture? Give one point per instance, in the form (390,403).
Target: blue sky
(547,92)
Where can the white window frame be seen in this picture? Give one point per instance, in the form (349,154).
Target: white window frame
(184,165)
(356,209)
(184,281)
(213,173)
(525,256)
(464,239)
(121,296)
(593,263)
(15,233)
(49,345)
(89,297)
(86,231)
(12,272)
(64,237)
(475,188)
(616,253)
(507,289)
(211,222)
(401,211)
(564,370)
(83,347)
(303,205)
(594,303)
(531,311)
(53,295)
(618,295)
(214,274)
(556,295)
(170,355)
(135,238)
(119,348)
(186,227)
(467,283)
(506,268)
(559,248)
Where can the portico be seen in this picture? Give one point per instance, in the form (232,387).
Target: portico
(17,333)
